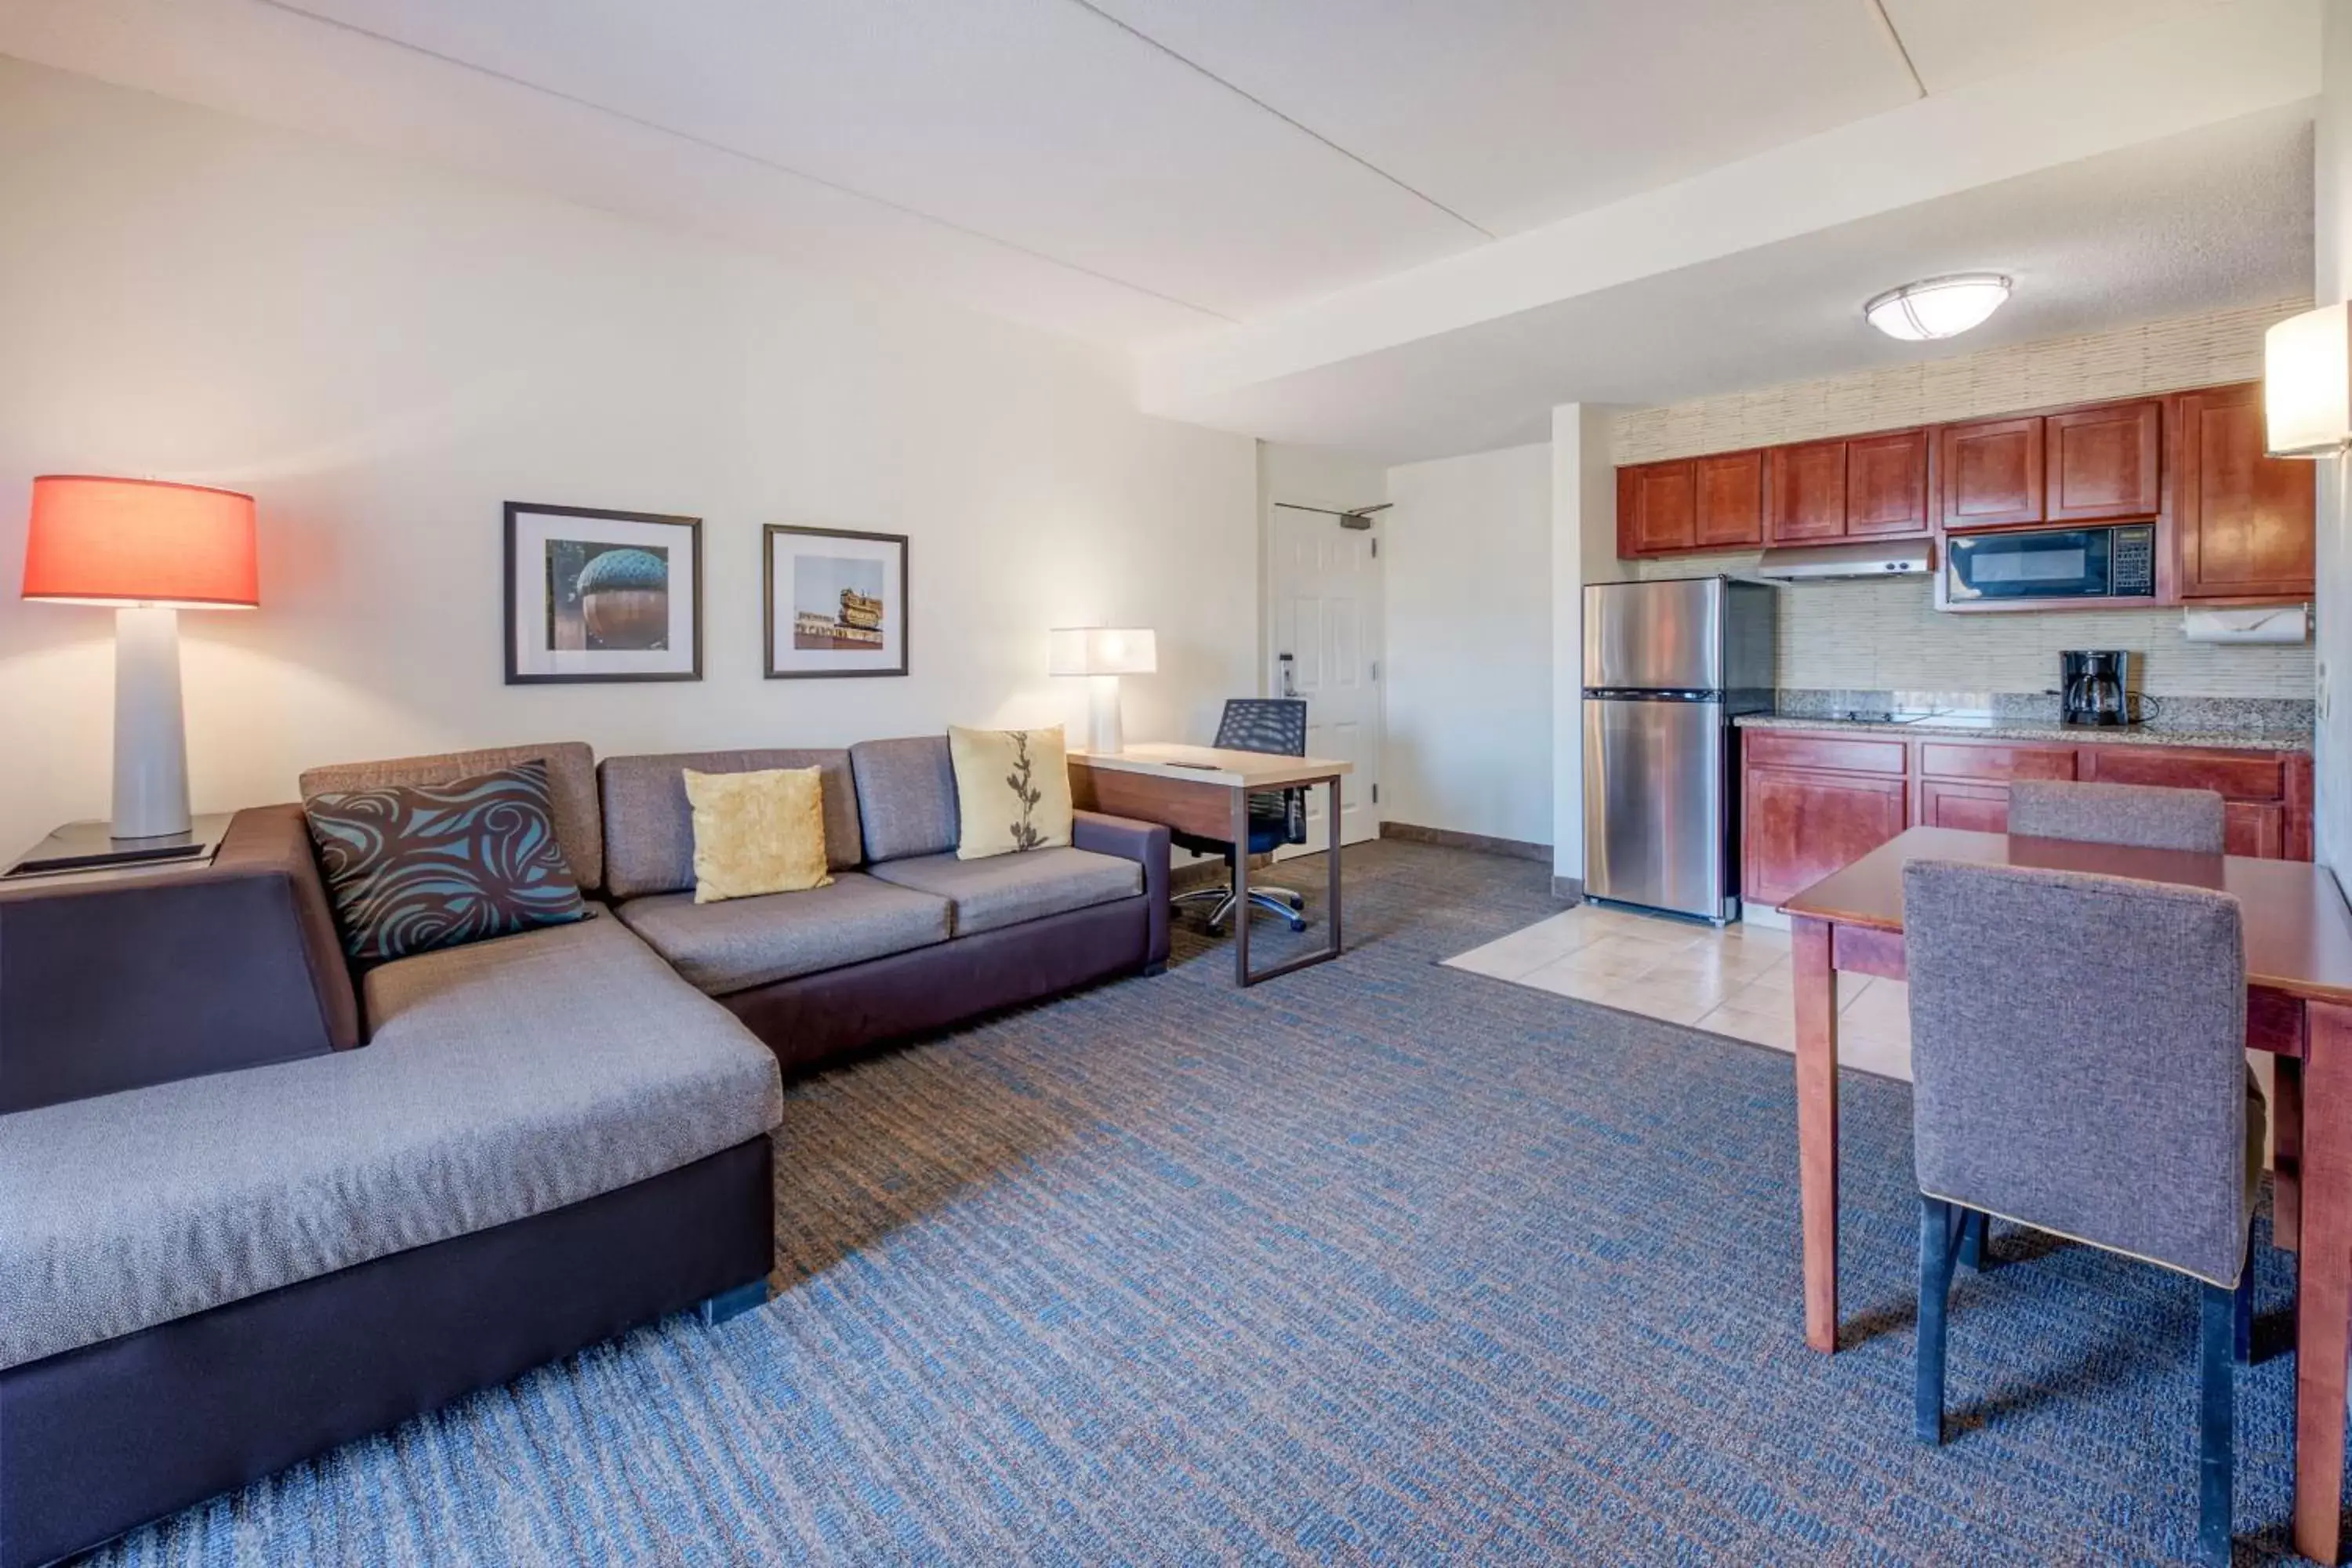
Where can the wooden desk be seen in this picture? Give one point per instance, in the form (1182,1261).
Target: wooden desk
(1205,789)
(2298,937)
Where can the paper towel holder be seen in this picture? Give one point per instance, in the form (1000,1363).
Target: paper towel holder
(2272,624)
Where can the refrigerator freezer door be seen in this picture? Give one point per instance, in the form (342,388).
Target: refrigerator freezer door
(1666,634)
(1653,805)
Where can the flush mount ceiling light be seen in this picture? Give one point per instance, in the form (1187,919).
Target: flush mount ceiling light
(1937,307)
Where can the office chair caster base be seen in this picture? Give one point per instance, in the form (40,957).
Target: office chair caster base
(1279,902)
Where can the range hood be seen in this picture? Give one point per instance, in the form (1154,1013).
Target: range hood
(1831,563)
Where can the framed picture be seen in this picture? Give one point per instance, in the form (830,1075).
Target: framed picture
(836,603)
(601,595)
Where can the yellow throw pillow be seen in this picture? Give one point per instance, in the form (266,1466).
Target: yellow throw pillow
(1013,790)
(757,833)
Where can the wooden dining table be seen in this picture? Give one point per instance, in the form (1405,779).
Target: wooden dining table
(2298,937)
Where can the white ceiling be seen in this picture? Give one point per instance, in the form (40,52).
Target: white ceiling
(1517,112)
(1129,170)
(1175,176)
(2218,216)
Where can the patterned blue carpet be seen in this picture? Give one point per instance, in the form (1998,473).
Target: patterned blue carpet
(1381,1262)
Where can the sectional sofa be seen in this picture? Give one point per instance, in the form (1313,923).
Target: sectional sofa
(271,1205)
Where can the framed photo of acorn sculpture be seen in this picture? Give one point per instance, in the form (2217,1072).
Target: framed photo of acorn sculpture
(836,603)
(601,595)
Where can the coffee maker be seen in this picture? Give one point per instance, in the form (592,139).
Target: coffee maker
(2095,685)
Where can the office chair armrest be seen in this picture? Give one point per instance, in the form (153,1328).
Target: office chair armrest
(1145,843)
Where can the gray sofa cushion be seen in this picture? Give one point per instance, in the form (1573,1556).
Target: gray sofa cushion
(649,823)
(1006,890)
(506,1079)
(906,797)
(570,789)
(743,943)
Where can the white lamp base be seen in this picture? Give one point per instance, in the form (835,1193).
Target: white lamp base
(151,741)
(1104,732)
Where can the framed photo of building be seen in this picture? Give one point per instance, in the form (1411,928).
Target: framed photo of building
(601,595)
(836,603)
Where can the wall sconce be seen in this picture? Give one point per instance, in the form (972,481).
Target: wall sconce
(2307,383)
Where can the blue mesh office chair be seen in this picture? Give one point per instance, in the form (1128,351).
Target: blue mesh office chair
(1276,725)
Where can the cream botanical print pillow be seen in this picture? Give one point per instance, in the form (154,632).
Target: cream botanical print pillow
(760,832)
(1013,790)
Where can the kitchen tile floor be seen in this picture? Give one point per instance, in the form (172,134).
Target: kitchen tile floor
(1731,982)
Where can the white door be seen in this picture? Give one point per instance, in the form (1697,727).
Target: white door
(1326,583)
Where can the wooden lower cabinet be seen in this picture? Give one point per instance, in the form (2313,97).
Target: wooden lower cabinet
(2256,830)
(1801,826)
(1816,801)
(1975,807)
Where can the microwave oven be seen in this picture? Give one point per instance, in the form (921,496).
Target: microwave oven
(2117,562)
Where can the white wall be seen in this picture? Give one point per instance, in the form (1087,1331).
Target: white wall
(2332,281)
(1470,645)
(1583,550)
(383,354)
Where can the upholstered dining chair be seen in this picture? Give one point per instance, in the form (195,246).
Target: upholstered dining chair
(2143,816)
(2103,1095)
(1276,725)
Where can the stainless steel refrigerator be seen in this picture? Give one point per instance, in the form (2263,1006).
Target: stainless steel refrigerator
(1667,664)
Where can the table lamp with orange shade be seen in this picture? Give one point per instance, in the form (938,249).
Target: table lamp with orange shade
(149,549)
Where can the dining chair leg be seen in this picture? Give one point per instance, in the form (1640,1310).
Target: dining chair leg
(1937,1248)
(1976,1231)
(2217,1447)
(2243,1336)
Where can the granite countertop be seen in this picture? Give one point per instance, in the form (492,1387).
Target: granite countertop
(2020,728)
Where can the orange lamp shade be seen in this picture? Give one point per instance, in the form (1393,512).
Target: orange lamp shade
(140,542)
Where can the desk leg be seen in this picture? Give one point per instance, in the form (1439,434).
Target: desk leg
(2324,1295)
(1331,868)
(1240,888)
(1817,1125)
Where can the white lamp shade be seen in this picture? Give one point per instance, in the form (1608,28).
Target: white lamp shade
(2307,383)
(1937,307)
(1104,651)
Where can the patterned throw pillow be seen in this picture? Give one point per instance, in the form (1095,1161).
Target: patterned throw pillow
(1013,790)
(412,868)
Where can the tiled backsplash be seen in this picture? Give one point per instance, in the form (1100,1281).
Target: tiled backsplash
(1871,636)
(1881,636)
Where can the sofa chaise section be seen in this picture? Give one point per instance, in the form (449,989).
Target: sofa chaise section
(550,1137)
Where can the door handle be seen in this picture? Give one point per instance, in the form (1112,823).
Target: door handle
(1289,675)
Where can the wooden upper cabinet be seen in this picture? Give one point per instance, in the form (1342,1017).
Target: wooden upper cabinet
(2101,462)
(1992,472)
(1804,494)
(1657,507)
(2244,522)
(1886,484)
(1730,507)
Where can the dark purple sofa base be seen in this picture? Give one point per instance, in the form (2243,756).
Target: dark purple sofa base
(812,1020)
(98,1440)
